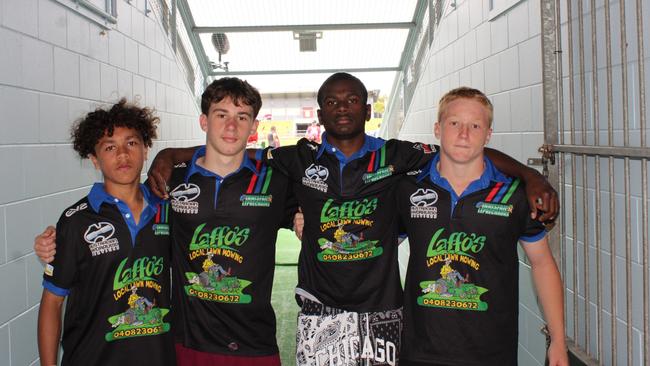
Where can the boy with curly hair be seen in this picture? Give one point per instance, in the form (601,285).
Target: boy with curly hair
(225,212)
(113,258)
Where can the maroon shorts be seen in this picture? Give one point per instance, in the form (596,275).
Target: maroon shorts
(189,357)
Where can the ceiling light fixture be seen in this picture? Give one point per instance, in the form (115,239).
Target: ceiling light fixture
(307,40)
(222,46)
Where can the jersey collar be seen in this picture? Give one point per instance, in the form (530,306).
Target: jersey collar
(98,195)
(369,144)
(490,174)
(194,168)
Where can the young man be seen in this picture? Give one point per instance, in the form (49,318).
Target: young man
(113,257)
(463,218)
(226,210)
(348,279)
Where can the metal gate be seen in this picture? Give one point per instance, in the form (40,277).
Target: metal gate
(594,75)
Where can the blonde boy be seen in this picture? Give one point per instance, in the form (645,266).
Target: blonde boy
(463,214)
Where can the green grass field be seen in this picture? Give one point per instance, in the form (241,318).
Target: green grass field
(282,298)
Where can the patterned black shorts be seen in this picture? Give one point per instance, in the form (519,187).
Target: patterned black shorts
(330,336)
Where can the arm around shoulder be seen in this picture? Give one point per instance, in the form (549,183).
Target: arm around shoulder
(410,156)
(45,246)
(539,192)
(283,158)
(163,165)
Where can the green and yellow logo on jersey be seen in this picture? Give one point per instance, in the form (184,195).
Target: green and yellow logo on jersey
(457,242)
(220,236)
(348,244)
(347,210)
(453,289)
(142,317)
(216,283)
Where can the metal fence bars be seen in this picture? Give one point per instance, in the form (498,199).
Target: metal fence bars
(594,75)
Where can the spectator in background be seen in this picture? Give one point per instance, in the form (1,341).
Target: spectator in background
(252,140)
(272,138)
(313,132)
(263,142)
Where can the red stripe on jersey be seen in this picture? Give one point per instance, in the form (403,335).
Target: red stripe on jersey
(371,164)
(251,185)
(493,192)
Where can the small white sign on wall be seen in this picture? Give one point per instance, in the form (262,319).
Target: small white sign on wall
(498,7)
(101,12)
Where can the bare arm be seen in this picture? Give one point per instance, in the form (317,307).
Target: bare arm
(162,166)
(45,246)
(541,195)
(550,292)
(298,223)
(49,327)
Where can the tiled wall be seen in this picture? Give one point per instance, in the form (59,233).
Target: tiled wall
(56,65)
(502,57)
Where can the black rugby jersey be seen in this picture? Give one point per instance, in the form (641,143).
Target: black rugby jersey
(461,291)
(224,231)
(116,277)
(349,245)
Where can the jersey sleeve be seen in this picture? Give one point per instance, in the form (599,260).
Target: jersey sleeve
(178,174)
(60,275)
(280,158)
(411,155)
(533,230)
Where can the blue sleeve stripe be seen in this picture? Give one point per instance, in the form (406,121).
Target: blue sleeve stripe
(58,291)
(534,238)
